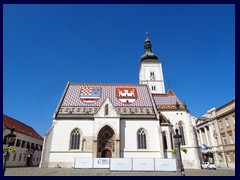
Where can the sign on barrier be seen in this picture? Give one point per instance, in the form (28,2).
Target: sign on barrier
(165,165)
(121,164)
(101,162)
(83,163)
(143,164)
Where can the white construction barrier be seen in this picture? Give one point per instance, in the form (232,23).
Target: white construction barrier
(127,164)
(165,164)
(83,163)
(143,164)
(121,164)
(101,163)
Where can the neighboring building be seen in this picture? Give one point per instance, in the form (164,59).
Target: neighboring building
(216,135)
(28,143)
(120,120)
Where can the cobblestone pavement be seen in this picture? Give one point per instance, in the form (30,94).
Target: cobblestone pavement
(35,171)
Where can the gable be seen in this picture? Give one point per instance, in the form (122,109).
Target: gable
(107,110)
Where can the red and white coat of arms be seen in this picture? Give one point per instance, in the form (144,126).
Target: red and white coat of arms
(126,95)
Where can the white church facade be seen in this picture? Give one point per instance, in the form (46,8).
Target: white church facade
(120,120)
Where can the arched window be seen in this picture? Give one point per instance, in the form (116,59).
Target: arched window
(171,140)
(152,75)
(182,133)
(141,138)
(153,88)
(75,139)
(106,109)
(164,141)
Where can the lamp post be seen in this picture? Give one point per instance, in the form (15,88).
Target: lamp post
(178,138)
(10,139)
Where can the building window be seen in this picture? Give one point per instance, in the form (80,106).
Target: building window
(5,140)
(37,159)
(164,141)
(227,122)
(7,156)
(20,156)
(153,88)
(106,109)
(213,125)
(182,133)
(233,117)
(24,157)
(141,135)
(75,139)
(36,147)
(171,140)
(40,146)
(14,156)
(28,145)
(220,124)
(32,145)
(231,139)
(224,140)
(228,157)
(23,144)
(18,143)
(152,75)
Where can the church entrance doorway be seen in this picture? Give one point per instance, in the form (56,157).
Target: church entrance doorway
(106,142)
(106,154)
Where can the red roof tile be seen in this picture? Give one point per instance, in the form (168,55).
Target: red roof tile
(20,127)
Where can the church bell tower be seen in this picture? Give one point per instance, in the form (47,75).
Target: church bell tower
(150,70)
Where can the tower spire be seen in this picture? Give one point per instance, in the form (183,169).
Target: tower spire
(150,71)
(147,45)
(149,55)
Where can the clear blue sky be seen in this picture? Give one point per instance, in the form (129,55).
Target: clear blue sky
(44,46)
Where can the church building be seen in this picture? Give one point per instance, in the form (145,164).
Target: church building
(120,120)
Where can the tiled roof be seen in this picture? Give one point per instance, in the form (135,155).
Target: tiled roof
(142,101)
(20,127)
(167,101)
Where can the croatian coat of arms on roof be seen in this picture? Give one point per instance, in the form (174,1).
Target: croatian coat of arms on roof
(126,95)
(90,95)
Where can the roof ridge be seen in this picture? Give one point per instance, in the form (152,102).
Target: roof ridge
(18,121)
(76,83)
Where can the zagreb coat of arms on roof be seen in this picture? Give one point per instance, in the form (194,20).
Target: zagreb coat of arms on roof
(126,95)
(90,95)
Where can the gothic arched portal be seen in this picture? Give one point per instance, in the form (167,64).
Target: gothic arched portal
(106,142)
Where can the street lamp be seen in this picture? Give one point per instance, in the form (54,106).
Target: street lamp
(178,138)
(10,139)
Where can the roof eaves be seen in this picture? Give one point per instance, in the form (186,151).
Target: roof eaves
(61,100)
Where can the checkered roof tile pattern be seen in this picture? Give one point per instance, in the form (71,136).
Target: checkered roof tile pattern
(72,97)
(165,99)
